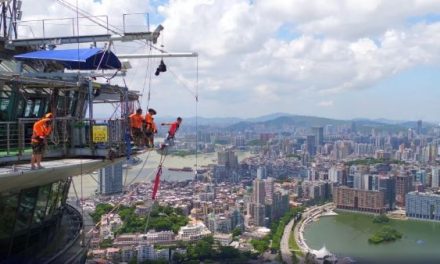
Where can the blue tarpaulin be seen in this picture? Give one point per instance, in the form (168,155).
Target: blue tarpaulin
(76,59)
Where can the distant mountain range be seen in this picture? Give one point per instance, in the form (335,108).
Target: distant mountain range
(277,121)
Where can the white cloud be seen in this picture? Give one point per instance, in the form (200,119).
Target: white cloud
(341,45)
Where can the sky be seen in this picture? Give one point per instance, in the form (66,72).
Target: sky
(332,58)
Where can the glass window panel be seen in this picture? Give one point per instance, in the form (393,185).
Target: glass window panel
(40,208)
(66,192)
(20,108)
(37,105)
(26,208)
(52,200)
(28,109)
(4,104)
(46,107)
(8,209)
(62,192)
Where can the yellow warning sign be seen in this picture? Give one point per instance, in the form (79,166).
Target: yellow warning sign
(100,133)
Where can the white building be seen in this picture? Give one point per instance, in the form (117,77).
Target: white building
(147,252)
(193,232)
(150,238)
(223,239)
(158,237)
(109,223)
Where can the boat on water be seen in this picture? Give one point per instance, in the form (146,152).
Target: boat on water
(184,169)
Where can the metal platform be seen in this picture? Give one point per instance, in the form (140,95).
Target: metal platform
(21,176)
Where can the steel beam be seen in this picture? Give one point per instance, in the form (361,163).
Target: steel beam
(159,55)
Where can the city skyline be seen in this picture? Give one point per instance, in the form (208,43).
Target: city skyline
(324,59)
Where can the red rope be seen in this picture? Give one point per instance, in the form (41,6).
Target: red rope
(156,182)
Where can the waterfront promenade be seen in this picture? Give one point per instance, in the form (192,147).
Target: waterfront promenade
(308,216)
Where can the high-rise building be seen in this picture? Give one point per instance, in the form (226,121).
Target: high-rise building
(387,185)
(239,141)
(403,186)
(359,200)
(261,172)
(338,174)
(370,182)
(357,181)
(435,177)
(318,132)
(421,177)
(341,149)
(220,173)
(259,192)
(227,158)
(423,206)
(110,179)
(258,202)
(419,127)
(237,219)
(269,188)
(259,214)
(311,144)
(279,205)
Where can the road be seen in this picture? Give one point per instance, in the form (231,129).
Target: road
(286,255)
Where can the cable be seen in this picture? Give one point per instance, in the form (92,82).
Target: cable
(140,171)
(91,18)
(147,75)
(183,84)
(81,161)
(197,115)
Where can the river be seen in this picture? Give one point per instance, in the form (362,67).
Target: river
(89,185)
(347,235)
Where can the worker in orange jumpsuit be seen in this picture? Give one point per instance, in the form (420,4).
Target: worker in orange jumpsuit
(136,127)
(174,126)
(150,128)
(41,131)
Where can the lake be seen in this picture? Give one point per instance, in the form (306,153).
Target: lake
(347,235)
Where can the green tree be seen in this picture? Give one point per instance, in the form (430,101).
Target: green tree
(385,234)
(100,210)
(159,261)
(236,232)
(261,245)
(106,243)
(229,253)
(178,258)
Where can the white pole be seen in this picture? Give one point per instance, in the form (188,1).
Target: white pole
(159,55)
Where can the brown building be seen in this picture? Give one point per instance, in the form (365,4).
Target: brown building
(359,200)
(403,186)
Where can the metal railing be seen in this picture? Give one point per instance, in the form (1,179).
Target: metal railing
(9,135)
(67,134)
(48,28)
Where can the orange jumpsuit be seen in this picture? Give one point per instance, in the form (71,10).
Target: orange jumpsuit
(41,130)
